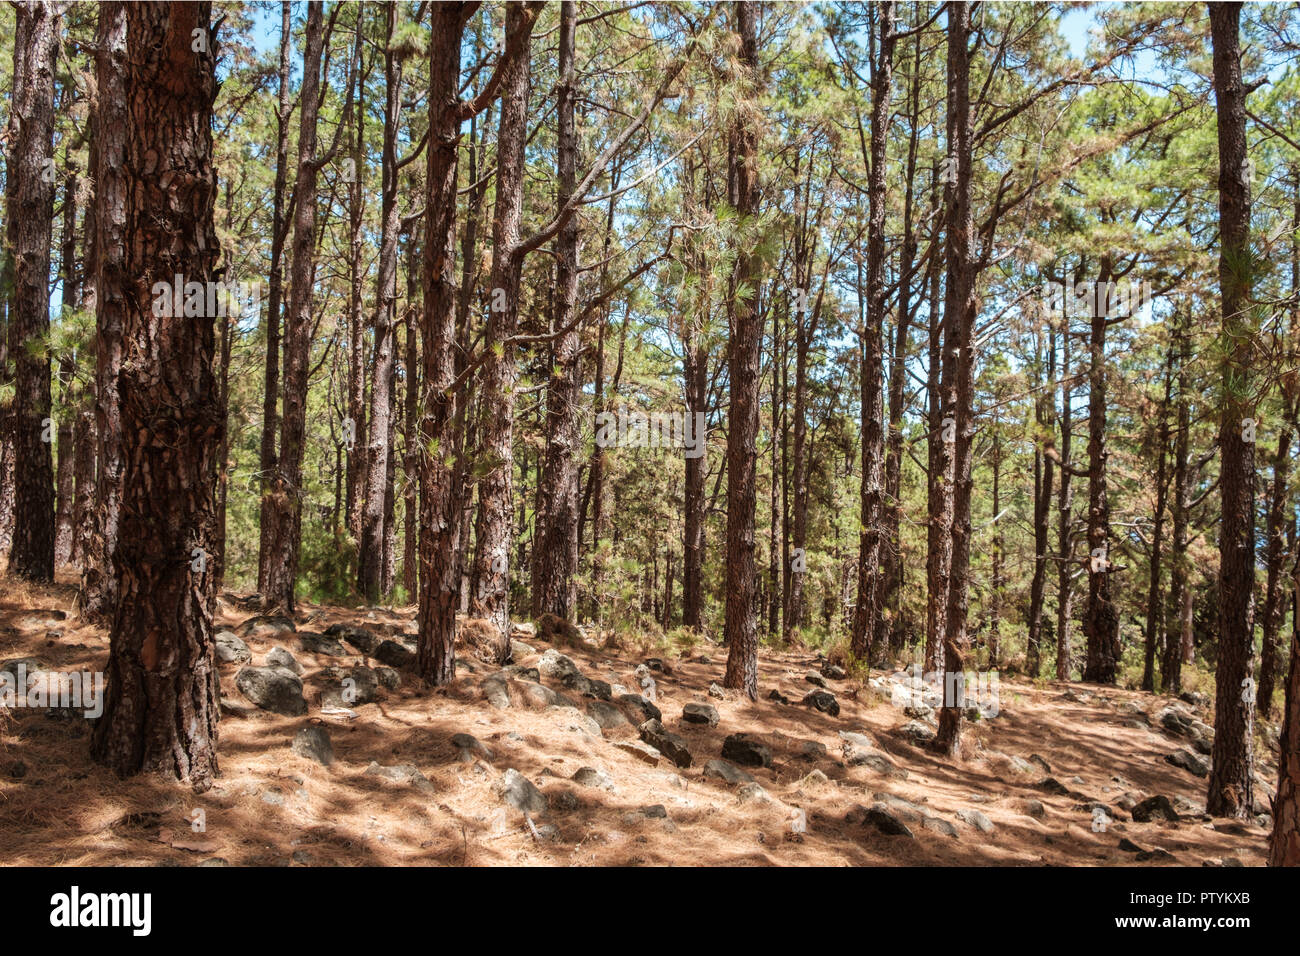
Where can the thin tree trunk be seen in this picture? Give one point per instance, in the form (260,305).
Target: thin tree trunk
(556,546)
(1101,621)
(1065,514)
(867,619)
(286,494)
(743,359)
(30,225)
(268,459)
(372,557)
(1231,786)
(109,121)
(1155,596)
(493,529)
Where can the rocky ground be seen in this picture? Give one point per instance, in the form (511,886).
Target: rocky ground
(331,755)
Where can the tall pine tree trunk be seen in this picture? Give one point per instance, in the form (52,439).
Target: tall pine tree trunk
(556,549)
(1231,786)
(161,705)
(30,223)
(374,544)
(268,458)
(109,121)
(743,360)
(285,517)
(959,372)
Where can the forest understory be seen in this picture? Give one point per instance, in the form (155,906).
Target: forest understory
(402,788)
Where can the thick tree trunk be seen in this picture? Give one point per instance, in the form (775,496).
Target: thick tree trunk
(1284,843)
(555,553)
(161,706)
(30,222)
(1231,786)
(743,359)
(268,458)
(285,515)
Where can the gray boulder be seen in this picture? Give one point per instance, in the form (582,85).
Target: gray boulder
(705,714)
(231,649)
(746,751)
(669,744)
(272,689)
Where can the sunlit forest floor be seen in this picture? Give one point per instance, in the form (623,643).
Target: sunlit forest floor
(400,791)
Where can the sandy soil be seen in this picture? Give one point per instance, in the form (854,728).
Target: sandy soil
(271,806)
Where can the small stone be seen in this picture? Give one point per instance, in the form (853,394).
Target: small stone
(606,716)
(655,811)
(518,791)
(1035,809)
(746,751)
(314,744)
(469,746)
(394,654)
(640,708)
(1154,808)
(779,697)
(726,771)
(976,819)
(834,672)
(879,816)
(591,777)
(752,792)
(1128,846)
(917,732)
(267,625)
(700,714)
(824,701)
(231,649)
(641,751)
(1052,785)
(358,637)
(937,825)
(1191,762)
(272,689)
(320,644)
(815,679)
(669,744)
(279,657)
